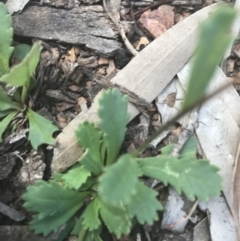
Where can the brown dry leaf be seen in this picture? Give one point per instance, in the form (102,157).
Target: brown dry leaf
(170,100)
(103,61)
(143,42)
(236,194)
(111,67)
(77,50)
(82,102)
(102,71)
(71,55)
(62,106)
(74,87)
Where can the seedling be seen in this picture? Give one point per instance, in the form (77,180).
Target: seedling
(20,76)
(103,188)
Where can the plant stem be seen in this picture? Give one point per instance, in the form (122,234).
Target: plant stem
(82,234)
(24,93)
(182,113)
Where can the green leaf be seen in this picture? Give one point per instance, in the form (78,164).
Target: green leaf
(196,178)
(89,137)
(78,226)
(5,39)
(20,74)
(91,163)
(67,229)
(116,219)
(213,41)
(91,219)
(144,205)
(88,184)
(40,130)
(20,52)
(4,113)
(113,120)
(189,148)
(5,122)
(54,204)
(75,177)
(119,181)
(5,102)
(93,235)
(166,150)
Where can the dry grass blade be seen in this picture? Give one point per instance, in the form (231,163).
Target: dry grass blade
(236,194)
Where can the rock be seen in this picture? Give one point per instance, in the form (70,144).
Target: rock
(155,23)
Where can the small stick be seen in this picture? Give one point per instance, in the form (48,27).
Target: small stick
(170,226)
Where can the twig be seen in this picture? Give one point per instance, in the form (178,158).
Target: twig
(153,5)
(170,226)
(115,18)
(183,112)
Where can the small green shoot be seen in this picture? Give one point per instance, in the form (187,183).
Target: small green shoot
(115,192)
(20,76)
(214,38)
(105,188)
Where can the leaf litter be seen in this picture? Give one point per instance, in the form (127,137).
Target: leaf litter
(127,85)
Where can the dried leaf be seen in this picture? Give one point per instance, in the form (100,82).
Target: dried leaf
(236,194)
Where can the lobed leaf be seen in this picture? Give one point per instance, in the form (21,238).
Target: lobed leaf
(20,74)
(78,226)
(54,204)
(196,178)
(40,130)
(89,137)
(115,218)
(213,41)
(5,122)
(91,163)
(119,181)
(5,39)
(75,177)
(91,219)
(144,204)
(113,120)
(67,229)
(5,102)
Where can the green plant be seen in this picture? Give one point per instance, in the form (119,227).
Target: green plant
(20,76)
(103,188)
(109,187)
